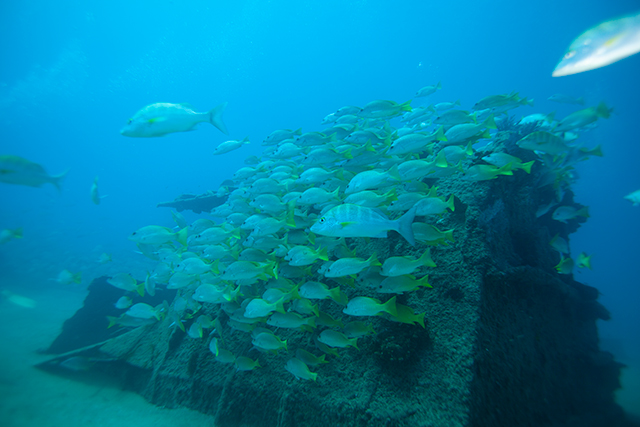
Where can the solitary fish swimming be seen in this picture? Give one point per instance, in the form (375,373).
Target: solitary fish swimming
(634,197)
(163,118)
(602,45)
(20,171)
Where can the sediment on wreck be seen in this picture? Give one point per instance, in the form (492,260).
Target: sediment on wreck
(507,340)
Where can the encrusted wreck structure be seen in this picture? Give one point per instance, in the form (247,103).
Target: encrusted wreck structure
(507,340)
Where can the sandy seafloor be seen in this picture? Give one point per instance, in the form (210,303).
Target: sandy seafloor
(32,397)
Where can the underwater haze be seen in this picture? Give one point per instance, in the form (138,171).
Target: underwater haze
(75,72)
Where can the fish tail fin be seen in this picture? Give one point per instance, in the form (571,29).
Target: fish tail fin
(603,111)
(394,174)
(426,260)
(57,180)
(323,254)
(215,266)
(233,295)
(112,321)
(290,218)
(181,236)
(451,203)
(273,269)
(336,295)
(77,277)
(17,233)
(441,160)
(505,170)
(527,166)
(404,226)
(369,147)
(448,235)
(336,193)
(469,150)
(215,118)
(293,294)
(584,211)
(596,151)
(425,282)
(311,237)
(315,310)
(354,342)
(234,252)
(584,260)
(549,118)
(490,122)
(406,106)
(373,260)
(140,289)
(580,100)
(390,307)
(420,319)
(390,195)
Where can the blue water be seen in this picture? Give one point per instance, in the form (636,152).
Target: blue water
(72,75)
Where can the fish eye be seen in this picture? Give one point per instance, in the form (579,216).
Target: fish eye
(569,54)
(322,220)
(129,121)
(134,233)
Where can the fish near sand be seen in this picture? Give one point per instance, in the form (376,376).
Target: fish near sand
(20,171)
(18,300)
(162,118)
(65,277)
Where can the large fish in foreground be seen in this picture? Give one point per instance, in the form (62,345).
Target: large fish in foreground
(19,171)
(348,220)
(163,118)
(602,45)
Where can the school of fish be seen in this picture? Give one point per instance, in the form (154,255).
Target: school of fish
(279,253)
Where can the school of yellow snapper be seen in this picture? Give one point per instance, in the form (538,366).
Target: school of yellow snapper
(284,258)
